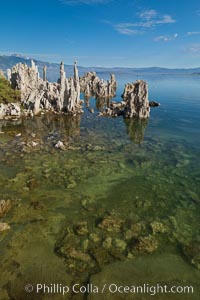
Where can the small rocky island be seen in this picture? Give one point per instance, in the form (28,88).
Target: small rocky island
(39,95)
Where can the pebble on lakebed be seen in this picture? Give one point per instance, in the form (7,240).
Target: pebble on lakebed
(4,226)
(111,223)
(147,244)
(60,145)
(5,206)
(158,227)
(81,228)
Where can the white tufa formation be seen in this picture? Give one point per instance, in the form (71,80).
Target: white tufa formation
(136,98)
(91,84)
(38,94)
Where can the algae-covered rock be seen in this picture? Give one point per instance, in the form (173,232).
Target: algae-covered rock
(72,184)
(94,237)
(4,227)
(101,256)
(32,183)
(119,244)
(37,205)
(77,254)
(85,244)
(5,206)
(158,227)
(147,244)
(81,228)
(111,224)
(134,231)
(107,243)
(192,253)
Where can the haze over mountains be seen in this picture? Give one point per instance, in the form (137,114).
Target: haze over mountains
(53,68)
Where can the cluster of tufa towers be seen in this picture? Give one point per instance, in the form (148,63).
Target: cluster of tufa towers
(39,94)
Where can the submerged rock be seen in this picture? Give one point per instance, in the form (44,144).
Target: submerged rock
(77,255)
(107,243)
(158,227)
(5,206)
(119,244)
(111,224)
(37,205)
(60,145)
(147,244)
(32,144)
(192,253)
(91,110)
(4,226)
(82,228)
(134,231)
(94,238)
(101,256)
(18,134)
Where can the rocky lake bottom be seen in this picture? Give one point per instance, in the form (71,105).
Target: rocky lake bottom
(119,198)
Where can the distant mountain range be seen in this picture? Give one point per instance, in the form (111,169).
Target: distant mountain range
(53,68)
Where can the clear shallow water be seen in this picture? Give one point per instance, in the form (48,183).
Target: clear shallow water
(130,174)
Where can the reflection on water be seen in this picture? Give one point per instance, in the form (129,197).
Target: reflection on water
(123,195)
(136,129)
(102,103)
(99,103)
(62,125)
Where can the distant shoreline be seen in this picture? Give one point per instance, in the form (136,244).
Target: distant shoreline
(9,61)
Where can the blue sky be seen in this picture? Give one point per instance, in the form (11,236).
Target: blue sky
(124,33)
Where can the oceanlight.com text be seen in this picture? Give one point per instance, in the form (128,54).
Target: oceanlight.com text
(112,288)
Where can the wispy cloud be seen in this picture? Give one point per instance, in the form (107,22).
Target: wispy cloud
(148,14)
(194,49)
(146,19)
(166,38)
(127,29)
(193,32)
(151,18)
(87,2)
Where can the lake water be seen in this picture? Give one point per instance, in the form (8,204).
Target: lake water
(123,195)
